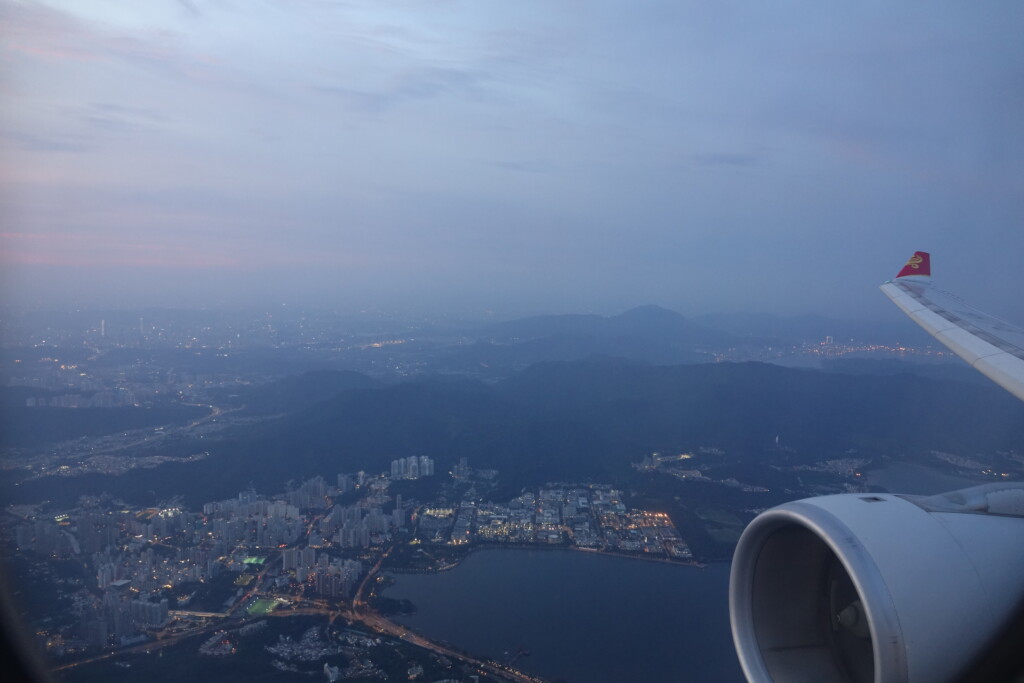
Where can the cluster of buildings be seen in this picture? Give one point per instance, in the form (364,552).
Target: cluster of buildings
(590,517)
(681,467)
(412,467)
(62,383)
(120,617)
(298,543)
(656,461)
(327,575)
(310,647)
(111,398)
(140,558)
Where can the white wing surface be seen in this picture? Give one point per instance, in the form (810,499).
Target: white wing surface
(990,345)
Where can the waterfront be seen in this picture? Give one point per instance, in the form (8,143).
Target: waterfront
(581,616)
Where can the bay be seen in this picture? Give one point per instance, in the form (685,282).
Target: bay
(582,617)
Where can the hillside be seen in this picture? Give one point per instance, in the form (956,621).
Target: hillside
(591,419)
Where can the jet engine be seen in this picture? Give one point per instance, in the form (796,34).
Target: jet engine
(877,587)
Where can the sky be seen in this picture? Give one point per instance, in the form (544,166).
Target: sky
(528,156)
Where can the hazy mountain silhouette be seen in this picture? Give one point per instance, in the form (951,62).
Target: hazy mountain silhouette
(566,419)
(648,334)
(643,321)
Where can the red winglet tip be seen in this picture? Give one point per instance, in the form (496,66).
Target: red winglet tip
(919,264)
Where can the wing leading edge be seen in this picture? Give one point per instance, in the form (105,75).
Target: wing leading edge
(990,345)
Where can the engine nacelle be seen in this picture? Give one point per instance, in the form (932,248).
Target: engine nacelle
(876,587)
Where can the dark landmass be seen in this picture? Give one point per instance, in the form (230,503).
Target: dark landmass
(559,421)
(955,370)
(647,333)
(21,426)
(577,401)
(295,393)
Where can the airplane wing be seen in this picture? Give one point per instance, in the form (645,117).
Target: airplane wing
(992,346)
(882,588)
(889,588)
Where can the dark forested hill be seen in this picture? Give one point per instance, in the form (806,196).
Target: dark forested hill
(299,392)
(744,406)
(591,419)
(562,418)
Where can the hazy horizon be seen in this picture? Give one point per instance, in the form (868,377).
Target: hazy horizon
(419,314)
(530,158)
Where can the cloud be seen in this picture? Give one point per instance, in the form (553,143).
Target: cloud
(726,159)
(439,141)
(358,99)
(525,166)
(89,249)
(116,118)
(189,7)
(39,143)
(166,250)
(410,84)
(41,32)
(144,113)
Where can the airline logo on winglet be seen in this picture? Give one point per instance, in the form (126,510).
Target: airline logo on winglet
(919,264)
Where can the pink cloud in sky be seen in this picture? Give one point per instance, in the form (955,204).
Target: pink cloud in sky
(42,32)
(78,250)
(90,250)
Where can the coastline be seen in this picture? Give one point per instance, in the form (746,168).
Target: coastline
(643,557)
(648,599)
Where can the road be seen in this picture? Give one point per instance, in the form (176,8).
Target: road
(383,625)
(144,647)
(167,430)
(362,613)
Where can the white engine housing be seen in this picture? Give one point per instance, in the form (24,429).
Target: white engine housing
(934,578)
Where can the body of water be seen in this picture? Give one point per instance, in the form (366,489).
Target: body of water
(583,617)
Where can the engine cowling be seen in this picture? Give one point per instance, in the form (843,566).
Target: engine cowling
(876,587)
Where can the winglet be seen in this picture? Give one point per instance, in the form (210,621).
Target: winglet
(920,264)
